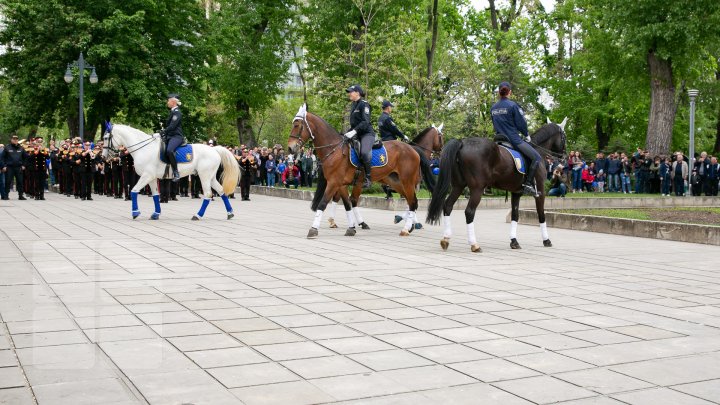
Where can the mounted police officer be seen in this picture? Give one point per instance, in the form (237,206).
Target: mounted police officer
(361,127)
(509,120)
(388,130)
(173,134)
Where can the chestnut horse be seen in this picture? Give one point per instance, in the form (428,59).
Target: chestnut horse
(402,171)
(478,163)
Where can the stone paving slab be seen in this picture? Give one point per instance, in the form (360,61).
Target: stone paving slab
(98,308)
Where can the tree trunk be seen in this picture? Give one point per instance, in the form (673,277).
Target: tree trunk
(430,46)
(73,124)
(603,137)
(716,149)
(245,131)
(662,106)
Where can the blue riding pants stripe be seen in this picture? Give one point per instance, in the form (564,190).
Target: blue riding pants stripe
(204,206)
(226,201)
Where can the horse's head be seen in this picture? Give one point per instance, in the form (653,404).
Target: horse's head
(301,131)
(109,144)
(552,138)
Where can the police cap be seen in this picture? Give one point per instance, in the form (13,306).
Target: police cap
(386,104)
(355,87)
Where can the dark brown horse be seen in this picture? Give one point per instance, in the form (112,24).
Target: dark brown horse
(478,163)
(429,140)
(402,171)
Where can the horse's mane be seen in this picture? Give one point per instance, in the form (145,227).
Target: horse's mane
(419,136)
(131,129)
(545,132)
(326,124)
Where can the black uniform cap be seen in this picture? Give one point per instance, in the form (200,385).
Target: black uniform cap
(504,84)
(355,87)
(387,103)
(173,95)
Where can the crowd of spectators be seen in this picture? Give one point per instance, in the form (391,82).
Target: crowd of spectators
(639,173)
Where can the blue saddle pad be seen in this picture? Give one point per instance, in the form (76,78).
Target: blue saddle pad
(379,157)
(183,154)
(517,157)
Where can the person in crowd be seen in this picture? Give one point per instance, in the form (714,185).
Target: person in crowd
(713,176)
(307,168)
(679,174)
(588,177)
(577,167)
(601,163)
(600,181)
(14,157)
(248,164)
(700,166)
(270,169)
(664,174)
(2,173)
(557,182)
(39,162)
(613,173)
(87,167)
(291,176)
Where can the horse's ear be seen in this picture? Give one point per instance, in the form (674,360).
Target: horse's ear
(440,128)
(562,124)
(548,120)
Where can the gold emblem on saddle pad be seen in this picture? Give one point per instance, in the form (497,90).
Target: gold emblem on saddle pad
(518,164)
(382,158)
(188,156)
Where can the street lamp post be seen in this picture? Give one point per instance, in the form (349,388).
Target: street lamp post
(693,93)
(80,64)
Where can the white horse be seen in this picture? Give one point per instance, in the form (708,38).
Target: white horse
(145,150)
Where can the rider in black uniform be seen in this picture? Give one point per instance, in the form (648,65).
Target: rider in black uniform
(361,127)
(509,119)
(173,134)
(388,130)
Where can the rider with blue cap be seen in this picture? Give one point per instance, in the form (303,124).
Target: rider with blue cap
(509,120)
(173,133)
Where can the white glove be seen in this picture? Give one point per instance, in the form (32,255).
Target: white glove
(406,138)
(527,139)
(350,134)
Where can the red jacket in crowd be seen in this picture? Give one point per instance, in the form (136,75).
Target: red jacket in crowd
(295,173)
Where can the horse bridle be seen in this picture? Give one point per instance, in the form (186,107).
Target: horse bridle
(115,152)
(440,135)
(551,153)
(300,142)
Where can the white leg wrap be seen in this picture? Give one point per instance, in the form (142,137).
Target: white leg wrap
(358,217)
(543,231)
(350,219)
(471,233)
(331,211)
(513,229)
(318,218)
(410,220)
(447,233)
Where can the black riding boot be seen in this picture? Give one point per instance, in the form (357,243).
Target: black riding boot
(529,184)
(368,181)
(173,163)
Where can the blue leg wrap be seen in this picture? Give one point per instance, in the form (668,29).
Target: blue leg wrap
(135,210)
(156,200)
(203,207)
(226,201)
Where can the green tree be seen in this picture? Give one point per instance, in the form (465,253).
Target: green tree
(250,39)
(142,49)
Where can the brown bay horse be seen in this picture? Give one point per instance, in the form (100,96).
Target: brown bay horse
(402,171)
(427,142)
(478,163)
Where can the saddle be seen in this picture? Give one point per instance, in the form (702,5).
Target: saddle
(379,154)
(520,160)
(183,154)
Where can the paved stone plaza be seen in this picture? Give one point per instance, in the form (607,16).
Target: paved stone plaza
(99,309)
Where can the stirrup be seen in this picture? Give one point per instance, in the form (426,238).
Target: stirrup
(529,189)
(175,176)
(367,182)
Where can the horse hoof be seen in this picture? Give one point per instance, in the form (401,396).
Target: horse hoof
(365,226)
(312,233)
(332,223)
(412,228)
(514,244)
(475,248)
(350,232)
(230,215)
(418,225)
(195,218)
(397,219)
(444,243)
(404,232)
(547,243)
(135,214)
(155,217)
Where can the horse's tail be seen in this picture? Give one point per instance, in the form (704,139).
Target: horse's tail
(231,170)
(425,169)
(448,162)
(319,190)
